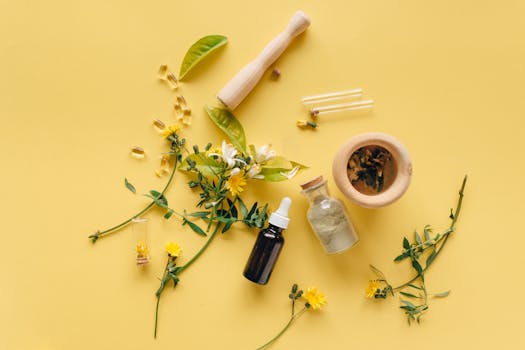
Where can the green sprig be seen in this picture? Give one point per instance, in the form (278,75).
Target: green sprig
(421,247)
(176,146)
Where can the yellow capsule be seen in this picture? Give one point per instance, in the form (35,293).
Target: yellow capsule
(164,166)
(186,120)
(172,80)
(186,110)
(138,152)
(163,69)
(181,101)
(159,125)
(164,160)
(306,124)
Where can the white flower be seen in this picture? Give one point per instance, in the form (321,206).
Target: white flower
(228,154)
(254,171)
(290,174)
(235,171)
(264,154)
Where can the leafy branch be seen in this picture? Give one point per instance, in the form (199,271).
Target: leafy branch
(425,246)
(172,272)
(312,300)
(176,146)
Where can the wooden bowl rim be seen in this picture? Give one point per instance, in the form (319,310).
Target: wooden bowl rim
(400,156)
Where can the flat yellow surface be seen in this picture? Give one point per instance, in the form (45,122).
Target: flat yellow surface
(78,88)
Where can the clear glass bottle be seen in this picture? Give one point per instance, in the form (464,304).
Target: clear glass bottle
(140,233)
(328,218)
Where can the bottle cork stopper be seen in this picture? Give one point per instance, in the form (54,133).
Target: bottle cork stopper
(313,183)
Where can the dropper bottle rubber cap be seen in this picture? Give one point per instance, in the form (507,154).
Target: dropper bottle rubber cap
(280,217)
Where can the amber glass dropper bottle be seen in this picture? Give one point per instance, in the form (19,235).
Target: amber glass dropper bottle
(268,245)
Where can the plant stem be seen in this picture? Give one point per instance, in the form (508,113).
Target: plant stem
(292,318)
(100,234)
(203,248)
(447,233)
(156,317)
(180,269)
(161,288)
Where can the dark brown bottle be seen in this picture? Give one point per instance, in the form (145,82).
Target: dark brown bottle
(268,246)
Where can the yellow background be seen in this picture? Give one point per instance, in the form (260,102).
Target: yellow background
(78,87)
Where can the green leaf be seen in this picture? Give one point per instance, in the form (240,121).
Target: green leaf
(275,168)
(408,303)
(414,286)
(159,199)
(242,207)
(168,214)
(227,122)
(278,162)
(194,227)
(301,166)
(409,295)
(200,49)
(175,279)
(431,258)
(233,212)
(228,224)
(406,243)
(129,186)
(442,294)
(200,214)
(155,194)
(264,215)
(401,257)
(274,174)
(206,165)
(417,237)
(252,210)
(427,230)
(253,151)
(417,267)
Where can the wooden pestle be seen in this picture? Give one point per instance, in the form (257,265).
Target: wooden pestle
(234,92)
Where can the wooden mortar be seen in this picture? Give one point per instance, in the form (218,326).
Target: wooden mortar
(400,157)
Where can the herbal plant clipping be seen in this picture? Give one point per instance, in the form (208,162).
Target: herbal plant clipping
(196,53)
(414,290)
(312,300)
(219,174)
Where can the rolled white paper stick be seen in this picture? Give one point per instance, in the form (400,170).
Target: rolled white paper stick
(332,96)
(342,107)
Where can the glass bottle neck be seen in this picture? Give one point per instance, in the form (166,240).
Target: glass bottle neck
(316,194)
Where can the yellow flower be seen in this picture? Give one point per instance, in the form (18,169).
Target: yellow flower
(214,151)
(314,298)
(372,288)
(142,249)
(170,130)
(235,183)
(173,249)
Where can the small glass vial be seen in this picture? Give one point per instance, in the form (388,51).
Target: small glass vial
(140,234)
(328,218)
